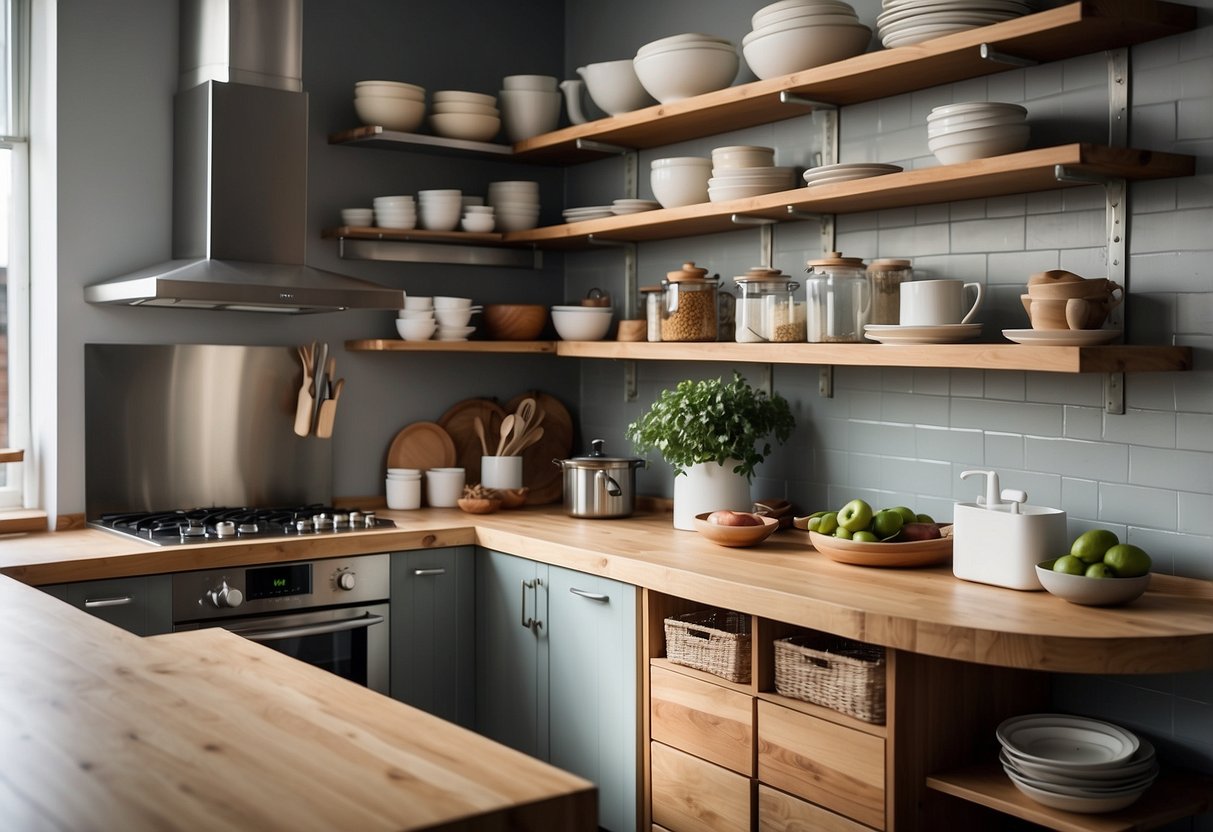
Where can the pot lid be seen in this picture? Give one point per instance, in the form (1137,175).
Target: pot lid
(759,273)
(836,260)
(686,273)
(597,458)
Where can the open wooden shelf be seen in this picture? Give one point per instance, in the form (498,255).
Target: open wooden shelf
(411,235)
(396,345)
(1174,796)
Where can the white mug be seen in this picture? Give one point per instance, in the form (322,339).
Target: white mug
(443,487)
(501,472)
(937,302)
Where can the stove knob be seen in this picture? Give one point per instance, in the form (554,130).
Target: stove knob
(368,519)
(225,596)
(355,519)
(346,580)
(303,525)
(341,520)
(225,528)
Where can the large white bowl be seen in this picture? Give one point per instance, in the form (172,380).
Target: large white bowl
(742,156)
(527,113)
(465,107)
(675,74)
(541,83)
(467,126)
(578,326)
(804,47)
(416,329)
(1093,592)
(775,11)
(401,114)
(954,125)
(393,88)
(970,107)
(614,87)
(836,14)
(678,185)
(681,41)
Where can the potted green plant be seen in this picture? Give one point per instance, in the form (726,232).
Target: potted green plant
(713,433)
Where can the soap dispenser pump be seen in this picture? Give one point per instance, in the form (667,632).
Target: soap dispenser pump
(993,493)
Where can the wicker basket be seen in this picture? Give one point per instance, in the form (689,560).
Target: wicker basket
(715,641)
(846,676)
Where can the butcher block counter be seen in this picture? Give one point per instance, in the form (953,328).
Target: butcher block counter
(926,611)
(207,731)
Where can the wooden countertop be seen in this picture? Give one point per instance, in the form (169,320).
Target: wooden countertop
(208,731)
(926,611)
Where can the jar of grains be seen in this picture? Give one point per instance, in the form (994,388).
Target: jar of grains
(768,309)
(690,305)
(885,278)
(654,310)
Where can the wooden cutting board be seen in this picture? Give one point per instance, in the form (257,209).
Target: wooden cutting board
(544,479)
(459,421)
(422,445)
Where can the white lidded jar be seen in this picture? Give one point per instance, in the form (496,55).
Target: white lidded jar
(838,299)
(768,309)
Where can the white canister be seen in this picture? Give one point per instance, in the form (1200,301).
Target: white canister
(444,487)
(403,493)
(501,472)
(1002,545)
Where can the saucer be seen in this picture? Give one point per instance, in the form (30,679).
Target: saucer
(939,334)
(1062,337)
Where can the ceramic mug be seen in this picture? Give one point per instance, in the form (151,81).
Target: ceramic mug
(938,302)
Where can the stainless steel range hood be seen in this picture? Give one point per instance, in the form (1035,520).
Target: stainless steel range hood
(240,175)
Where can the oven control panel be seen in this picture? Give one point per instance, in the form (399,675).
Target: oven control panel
(276,587)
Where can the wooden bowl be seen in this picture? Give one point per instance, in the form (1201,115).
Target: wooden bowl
(478,505)
(735,536)
(910,553)
(512,497)
(514,321)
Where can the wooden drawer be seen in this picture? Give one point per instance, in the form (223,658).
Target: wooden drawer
(693,795)
(707,720)
(831,765)
(779,812)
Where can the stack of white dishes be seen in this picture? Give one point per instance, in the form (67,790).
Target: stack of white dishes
(976,130)
(530,105)
(472,116)
(739,171)
(416,321)
(515,204)
(794,35)
(582,323)
(828,174)
(440,209)
(394,105)
(477,218)
(358,217)
(680,180)
(912,21)
(395,211)
(634,206)
(1074,763)
(682,66)
(453,315)
(403,488)
(587,212)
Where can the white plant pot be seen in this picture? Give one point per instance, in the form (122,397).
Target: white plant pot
(709,486)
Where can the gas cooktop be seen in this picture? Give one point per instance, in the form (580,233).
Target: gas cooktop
(213,525)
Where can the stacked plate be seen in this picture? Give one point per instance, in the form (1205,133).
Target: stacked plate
(515,204)
(634,206)
(828,174)
(794,35)
(587,212)
(975,130)
(395,211)
(391,104)
(912,21)
(1074,763)
(739,171)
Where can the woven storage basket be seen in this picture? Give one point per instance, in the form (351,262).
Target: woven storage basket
(715,641)
(846,676)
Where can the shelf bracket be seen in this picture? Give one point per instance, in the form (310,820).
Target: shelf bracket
(766,379)
(989,53)
(825,382)
(411,251)
(747,219)
(603,147)
(786,97)
(827,226)
(631,296)
(766,246)
(1114,394)
(630,393)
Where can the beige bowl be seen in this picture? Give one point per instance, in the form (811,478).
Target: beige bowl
(735,536)
(614,87)
(401,114)
(675,74)
(467,126)
(1096,287)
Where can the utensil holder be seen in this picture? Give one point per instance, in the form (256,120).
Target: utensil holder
(501,472)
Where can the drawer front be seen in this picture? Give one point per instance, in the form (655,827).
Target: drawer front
(693,795)
(707,720)
(836,767)
(141,605)
(779,812)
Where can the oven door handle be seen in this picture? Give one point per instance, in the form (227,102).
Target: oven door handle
(359,623)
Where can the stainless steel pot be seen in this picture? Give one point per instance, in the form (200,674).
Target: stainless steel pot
(599,486)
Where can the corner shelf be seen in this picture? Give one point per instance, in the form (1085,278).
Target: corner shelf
(394,345)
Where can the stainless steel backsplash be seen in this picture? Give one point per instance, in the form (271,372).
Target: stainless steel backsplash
(184,426)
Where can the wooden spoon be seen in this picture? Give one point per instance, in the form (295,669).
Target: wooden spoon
(507,425)
(529,439)
(478,424)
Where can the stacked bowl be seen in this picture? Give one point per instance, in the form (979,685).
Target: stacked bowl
(515,204)
(471,116)
(975,130)
(530,105)
(912,21)
(1074,763)
(478,218)
(403,488)
(682,66)
(582,323)
(395,212)
(794,35)
(680,180)
(441,209)
(453,316)
(416,322)
(739,171)
(394,105)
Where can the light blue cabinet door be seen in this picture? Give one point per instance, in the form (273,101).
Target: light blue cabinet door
(433,641)
(511,656)
(142,605)
(592,716)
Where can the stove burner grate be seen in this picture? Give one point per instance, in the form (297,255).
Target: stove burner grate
(202,525)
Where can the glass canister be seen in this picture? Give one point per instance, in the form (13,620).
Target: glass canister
(690,305)
(654,310)
(767,309)
(838,299)
(886,276)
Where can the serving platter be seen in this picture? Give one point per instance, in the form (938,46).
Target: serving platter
(1062,337)
(422,445)
(938,334)
(459,422)
(910,553)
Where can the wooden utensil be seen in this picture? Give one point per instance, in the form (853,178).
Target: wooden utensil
(328,410)
(532,436)
(544,480)
(507,426)
(484,445)
(459,422)
(303,409)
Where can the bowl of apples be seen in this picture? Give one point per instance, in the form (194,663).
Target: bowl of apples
(1099,571)
(859,535)
(736,529)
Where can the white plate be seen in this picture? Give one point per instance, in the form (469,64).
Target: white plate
(942,334)
(1062,337)
(1069,743)
(865,168)
(918,34)
(844,177)
(1133,774)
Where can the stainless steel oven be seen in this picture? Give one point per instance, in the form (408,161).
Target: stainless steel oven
(330,613)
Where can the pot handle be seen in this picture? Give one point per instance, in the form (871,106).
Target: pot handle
(612,487)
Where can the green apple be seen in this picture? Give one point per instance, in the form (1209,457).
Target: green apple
(1070,565)
(1099,570)
(827,523)
(865,536)
(907,514)
(887,523)
(1127,560)
(814,524)
(923,518)
(842,533)
(1091,545)
(855,515)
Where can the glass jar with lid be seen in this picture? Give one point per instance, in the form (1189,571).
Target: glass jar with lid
(767,309)
(838,299)
(886,276)
(690,305)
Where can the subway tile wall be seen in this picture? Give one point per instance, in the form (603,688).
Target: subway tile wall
(903,436)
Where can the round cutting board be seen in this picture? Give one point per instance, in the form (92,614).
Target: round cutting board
(460,422)
(422,445)
(545,479)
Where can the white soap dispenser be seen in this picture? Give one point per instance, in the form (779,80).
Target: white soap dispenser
(998,539)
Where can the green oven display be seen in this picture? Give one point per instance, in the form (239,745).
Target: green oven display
(278,581)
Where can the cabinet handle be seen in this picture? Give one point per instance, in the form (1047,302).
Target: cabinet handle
(96,603)
(589,596)
(527,623)
(425,573)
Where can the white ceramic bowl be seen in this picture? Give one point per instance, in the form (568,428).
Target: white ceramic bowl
(614,87)
(388,93)
(1002,133)
(742,156)
(776,11)
(357,217)
(577,325)
(840,13)
(427,314)
(466,126)
(440,216)
(954,149)
(399,222)
(418,302)
(957,123)
(543,83)
(974,107)
(675,74)
(416,329)
(677,185)
(400,88)
(450,302)
(457,317)
(465,107)
(443,96)
(477,223)
(508,221)
(527,113)
(1091,592)
(680,41)
(385,201)
(400,114)
(804,47)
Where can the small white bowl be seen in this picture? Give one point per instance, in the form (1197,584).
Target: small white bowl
(478,223)
(390,87)
(357,217)
(416,329)
(578,326)
(446,96)
(393,201)
(742,156)
(448,318)
(614,87)
(678,185)
(401,114)
(1091,592)
(418,302)
(446,302)
(426,314)
(465,107)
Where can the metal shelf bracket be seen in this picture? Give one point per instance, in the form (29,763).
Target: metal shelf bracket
(1114,394)
(602,147)
(630,385)
(989,53)
(825,382)
(787,97)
